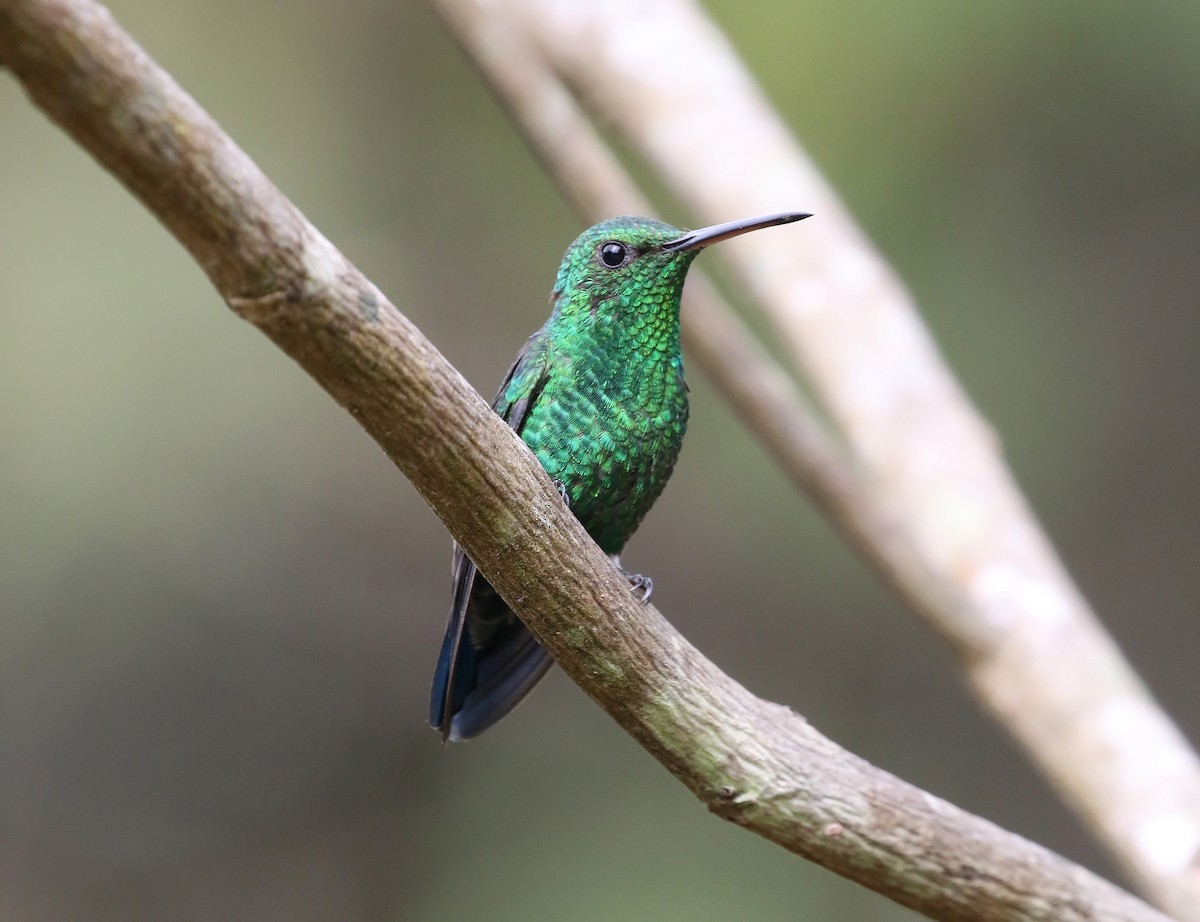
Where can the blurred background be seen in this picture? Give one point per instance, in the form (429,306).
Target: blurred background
(220,605)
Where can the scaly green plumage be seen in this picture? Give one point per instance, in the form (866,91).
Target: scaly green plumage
(611,406)
(598,394)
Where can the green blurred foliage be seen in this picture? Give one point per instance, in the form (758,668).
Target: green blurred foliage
(220,605)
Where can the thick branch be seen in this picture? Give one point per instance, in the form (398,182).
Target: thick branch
(1032,649)
(753,762)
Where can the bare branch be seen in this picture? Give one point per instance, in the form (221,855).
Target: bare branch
(969,556)
(756,763)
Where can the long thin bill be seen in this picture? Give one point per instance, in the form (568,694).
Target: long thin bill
(706,236)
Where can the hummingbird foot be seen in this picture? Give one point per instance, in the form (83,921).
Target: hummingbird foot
(642,586)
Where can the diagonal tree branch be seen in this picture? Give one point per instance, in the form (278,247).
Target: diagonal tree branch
(753,762)
(923,491)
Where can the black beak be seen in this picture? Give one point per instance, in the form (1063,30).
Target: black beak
(706,236)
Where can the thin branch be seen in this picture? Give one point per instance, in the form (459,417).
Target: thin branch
(1031,647)
(755,763)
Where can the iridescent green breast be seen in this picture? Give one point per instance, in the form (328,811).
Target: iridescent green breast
(610,432)
(598,393)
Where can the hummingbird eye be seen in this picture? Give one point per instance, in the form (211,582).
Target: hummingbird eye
(614,255)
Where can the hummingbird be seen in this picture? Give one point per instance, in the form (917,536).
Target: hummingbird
(598,394)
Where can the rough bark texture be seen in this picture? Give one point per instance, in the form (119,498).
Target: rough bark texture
(756,763)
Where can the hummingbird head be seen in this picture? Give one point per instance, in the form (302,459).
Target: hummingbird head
(629,266)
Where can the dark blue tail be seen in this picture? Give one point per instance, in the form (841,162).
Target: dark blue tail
(489,661)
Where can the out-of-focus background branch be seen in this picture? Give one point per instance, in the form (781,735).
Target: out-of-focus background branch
(209,706)
(932,506)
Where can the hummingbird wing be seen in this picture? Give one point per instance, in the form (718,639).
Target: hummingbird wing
(479,681)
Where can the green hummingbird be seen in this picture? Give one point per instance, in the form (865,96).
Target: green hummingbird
(599,396)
